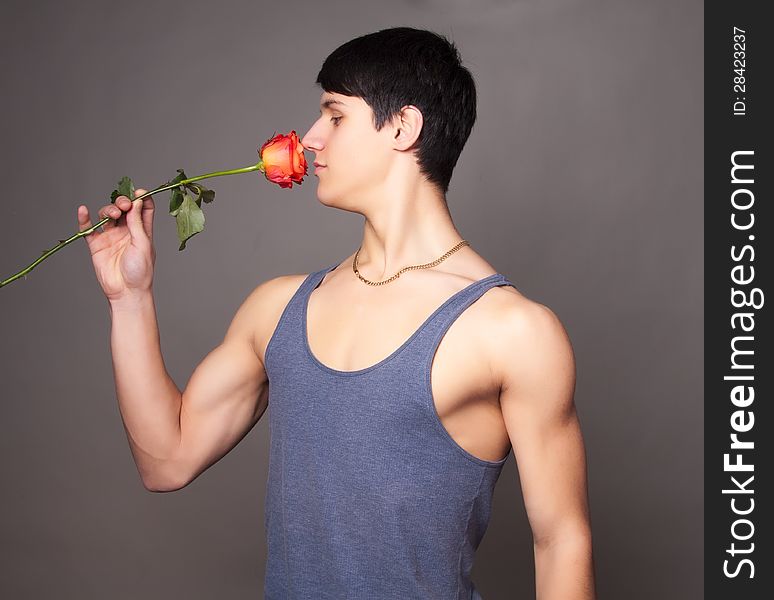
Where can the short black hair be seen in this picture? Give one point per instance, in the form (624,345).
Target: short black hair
(394,67)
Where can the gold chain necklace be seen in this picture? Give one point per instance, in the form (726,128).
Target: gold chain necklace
(425,266)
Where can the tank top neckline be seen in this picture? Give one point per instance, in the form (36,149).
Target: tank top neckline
(317,279)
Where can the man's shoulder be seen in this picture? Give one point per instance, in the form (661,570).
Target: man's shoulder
(280,286)
(514,325)
(267,294)
(268,300)
(507,303)
(525,333)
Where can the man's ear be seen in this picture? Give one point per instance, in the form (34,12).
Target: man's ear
(407,126)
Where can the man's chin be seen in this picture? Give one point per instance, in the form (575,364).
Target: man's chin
(326,199)
(333,199)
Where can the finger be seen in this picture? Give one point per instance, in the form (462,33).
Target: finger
(134,218)
(84,222)
(112,211)
(148,210)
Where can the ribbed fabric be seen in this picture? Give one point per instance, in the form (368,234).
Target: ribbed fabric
(368,496)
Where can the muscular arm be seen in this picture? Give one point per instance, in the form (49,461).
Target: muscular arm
(537,368)
(225,397)
(228,391)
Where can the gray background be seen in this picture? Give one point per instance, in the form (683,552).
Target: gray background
(582,182)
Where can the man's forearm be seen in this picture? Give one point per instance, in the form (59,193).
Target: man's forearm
(148,398)
(564,570)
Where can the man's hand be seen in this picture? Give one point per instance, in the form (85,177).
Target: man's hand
(122,254)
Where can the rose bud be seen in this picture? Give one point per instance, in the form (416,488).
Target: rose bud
(283,160)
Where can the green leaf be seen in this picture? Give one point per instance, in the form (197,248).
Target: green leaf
(208,195)
(190,220)
(125,188)
(202,193)
(176,198)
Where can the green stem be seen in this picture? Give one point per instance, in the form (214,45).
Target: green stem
(85,232)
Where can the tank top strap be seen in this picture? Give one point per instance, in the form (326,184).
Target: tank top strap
(314,279)
(287,334)
(440,321)
(297,302)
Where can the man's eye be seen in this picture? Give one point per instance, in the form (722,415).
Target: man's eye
(335,120)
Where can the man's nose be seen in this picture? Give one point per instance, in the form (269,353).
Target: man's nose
(311,140)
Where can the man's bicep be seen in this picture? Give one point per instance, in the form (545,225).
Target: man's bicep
(225,397)
(539,412)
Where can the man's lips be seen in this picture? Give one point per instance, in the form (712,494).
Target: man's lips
(318,167)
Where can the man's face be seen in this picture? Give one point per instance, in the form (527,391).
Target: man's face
(355,156)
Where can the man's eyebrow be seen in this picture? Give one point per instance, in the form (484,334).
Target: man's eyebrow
(328,102)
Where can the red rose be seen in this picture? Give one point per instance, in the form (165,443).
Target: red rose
(283,160)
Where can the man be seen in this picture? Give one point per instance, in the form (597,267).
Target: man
(399,378)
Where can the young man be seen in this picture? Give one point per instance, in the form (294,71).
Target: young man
(399,379)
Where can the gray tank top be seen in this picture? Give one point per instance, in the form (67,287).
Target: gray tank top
(368,497)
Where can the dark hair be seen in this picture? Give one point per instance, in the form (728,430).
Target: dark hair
(394,67)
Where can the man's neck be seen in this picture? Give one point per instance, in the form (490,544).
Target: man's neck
(406,233)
